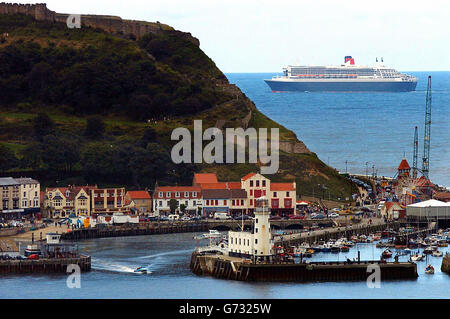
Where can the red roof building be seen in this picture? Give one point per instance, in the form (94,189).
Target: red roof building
(204,178)
(403,168)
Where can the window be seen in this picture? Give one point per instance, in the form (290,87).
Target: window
(167,194)
(177,194)
(24,203)
(287,194)
(194,203)
(224,202)
(194,194)
(232,202)
(242,202)
(251,192)
(256,221)
(251,183)
(186,194)
(216,202)
(25,194)
(102,195)
(257,183)
(186,203)
(35,194)
(160,203)
(264,183)
(207,202)
(256,241)
(274,194)
(251,202)
(256,230)
(160,194)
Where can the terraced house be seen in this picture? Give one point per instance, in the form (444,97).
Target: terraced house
(189,196)
(19,197)
(63,201)
(139,201)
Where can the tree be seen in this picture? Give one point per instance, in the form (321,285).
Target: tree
(95,128)
(60,153)
(42,125)
(183,208)
(8,159)
(173,204)
(150,136)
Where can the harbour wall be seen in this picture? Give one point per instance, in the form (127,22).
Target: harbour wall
(133,230)
(50,265)
(290,272)
(445,267)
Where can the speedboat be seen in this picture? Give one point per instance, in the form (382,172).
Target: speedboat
(437,253)
(142,270)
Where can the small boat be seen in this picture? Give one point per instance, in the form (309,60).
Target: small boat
(407,251)
(386,253)
(141,270)
(428,250)
(212,234)
(437,253)
(335,248)
(417,257)
(345,248)
(429,270)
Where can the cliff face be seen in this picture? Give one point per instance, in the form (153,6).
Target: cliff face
(111,24)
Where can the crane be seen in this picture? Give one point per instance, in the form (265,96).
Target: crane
(426,138)
(416,147)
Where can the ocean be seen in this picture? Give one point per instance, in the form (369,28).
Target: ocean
(360,128)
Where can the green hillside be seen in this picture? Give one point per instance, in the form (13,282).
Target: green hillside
(84,106)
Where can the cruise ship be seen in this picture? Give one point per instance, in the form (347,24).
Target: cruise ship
(347,77)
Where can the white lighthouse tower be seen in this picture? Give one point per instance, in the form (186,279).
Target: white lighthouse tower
(262,237)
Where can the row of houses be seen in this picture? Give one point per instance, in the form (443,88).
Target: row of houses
(207,195)
(19,196)
(59,202)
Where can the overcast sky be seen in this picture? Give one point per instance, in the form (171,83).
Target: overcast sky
(264,36)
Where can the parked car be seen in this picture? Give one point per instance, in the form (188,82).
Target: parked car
(274,217)
(164,218)
(185,218)
(221,216)
(333,215)
(319,216)
(152,218)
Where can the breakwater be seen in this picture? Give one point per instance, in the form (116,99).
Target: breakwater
(224,268)
(134,230)
(47,265)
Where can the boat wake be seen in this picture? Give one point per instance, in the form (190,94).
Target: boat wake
(176,252)
(101,265)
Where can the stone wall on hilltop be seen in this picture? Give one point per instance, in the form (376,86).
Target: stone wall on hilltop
(111,24)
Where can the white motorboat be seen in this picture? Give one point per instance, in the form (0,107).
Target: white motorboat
(212,234)
(417,257)
(437,253)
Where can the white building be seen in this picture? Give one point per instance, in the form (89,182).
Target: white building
(259,243)
(29,195)
(189,196)
(430,209)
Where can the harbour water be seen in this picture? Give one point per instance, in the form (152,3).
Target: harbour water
(377,128)
(168,256)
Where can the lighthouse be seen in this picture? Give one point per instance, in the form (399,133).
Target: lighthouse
(262,246)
